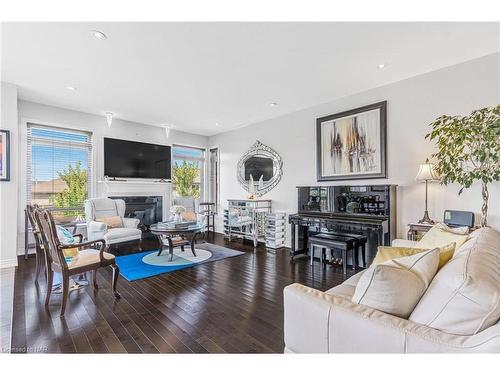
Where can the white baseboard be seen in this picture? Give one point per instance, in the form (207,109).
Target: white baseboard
(7,263)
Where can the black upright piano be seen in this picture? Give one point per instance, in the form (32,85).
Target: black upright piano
(369,210)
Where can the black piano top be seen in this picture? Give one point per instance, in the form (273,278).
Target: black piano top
(359,202)
(369,204)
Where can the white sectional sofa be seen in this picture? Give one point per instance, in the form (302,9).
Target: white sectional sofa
(458,313)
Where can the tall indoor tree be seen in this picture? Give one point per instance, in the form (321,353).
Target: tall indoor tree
(468,150)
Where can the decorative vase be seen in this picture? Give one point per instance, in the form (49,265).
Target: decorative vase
(251,188)
(261,183)
(177,218)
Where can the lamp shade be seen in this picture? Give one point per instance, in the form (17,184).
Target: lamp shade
(427,173)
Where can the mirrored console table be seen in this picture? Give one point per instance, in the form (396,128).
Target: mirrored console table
(246,218)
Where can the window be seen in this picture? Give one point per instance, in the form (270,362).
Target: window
(59,168)
(213,178)
(188,167)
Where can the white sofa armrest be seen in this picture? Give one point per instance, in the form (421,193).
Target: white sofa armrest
(96,230)
(404,243)
(307,313)
(129,222)
(353,328)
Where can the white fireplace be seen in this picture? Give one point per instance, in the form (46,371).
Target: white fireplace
(136,188)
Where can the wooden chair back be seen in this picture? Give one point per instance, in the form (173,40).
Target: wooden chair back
(30,212)
(51,243)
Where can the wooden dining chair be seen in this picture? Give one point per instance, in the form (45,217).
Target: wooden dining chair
(40,258)
(39,252)
(87,258)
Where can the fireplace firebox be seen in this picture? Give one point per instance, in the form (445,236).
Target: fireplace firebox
(148,209)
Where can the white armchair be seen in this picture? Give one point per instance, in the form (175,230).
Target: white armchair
(99,208)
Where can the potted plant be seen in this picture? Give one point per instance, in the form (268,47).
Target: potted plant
(468,150)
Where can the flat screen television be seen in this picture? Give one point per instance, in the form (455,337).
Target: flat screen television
(128,159)
(257,166)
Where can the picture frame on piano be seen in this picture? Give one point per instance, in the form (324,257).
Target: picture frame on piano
(351,145)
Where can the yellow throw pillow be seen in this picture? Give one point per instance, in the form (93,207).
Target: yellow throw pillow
(71,252)
(386,253)
(441,235)
(446,253)
(112,221)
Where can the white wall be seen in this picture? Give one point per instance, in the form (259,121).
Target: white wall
(55,116)
(412,105)
(8,189)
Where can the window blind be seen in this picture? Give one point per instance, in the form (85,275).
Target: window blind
(59,166)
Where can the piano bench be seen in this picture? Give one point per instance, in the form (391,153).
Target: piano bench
(361,243)
(329,241)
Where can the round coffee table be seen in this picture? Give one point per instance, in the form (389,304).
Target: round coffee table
(165,232)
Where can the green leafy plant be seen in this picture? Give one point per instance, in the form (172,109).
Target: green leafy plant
(76,192)
(468,150)
(183,178)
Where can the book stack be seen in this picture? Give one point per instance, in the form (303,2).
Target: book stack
(275,230)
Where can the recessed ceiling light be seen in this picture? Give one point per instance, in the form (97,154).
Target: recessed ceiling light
(217,124)
(273,104)
(71,88)
(99,34)
(381,66)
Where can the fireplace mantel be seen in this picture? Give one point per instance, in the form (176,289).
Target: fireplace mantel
(107,188)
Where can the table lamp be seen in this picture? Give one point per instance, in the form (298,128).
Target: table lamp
(426,173)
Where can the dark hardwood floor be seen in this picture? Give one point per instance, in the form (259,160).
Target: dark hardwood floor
(230,306)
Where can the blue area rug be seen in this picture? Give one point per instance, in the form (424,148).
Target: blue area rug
(147,264)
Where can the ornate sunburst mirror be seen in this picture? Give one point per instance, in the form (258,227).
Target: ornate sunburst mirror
(262,164)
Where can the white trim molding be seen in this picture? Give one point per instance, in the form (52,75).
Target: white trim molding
(8,263)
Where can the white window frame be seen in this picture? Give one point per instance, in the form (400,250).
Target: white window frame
(89,146)
(209,171)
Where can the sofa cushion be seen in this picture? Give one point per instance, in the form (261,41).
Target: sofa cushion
(87,257)
(464,297)
(347,288)
(342,290)
(115,235)
(396,286)
(385,253)
(441,235)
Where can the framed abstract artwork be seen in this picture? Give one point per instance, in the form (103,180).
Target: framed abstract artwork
(4,155)
(351,145)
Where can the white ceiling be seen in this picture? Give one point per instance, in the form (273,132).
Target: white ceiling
(194,75)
